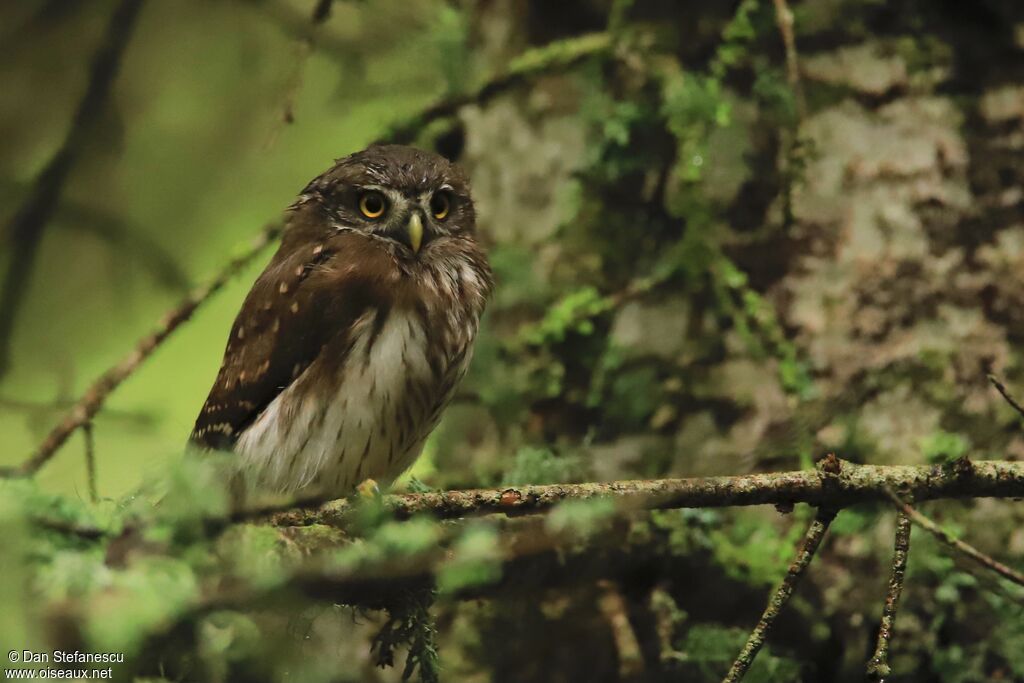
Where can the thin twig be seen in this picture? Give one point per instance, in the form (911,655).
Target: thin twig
(784,19)
(781,595)
(878,665)
(1006,394)
(92,400)
(25,231)
(304,49)
(947,538)
(294,22)
(90,460)
(46,409)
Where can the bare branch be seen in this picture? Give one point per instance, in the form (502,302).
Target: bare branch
(956,544)
(878,666)
(1004,392)
(812,539)
(25,230)
(93,399)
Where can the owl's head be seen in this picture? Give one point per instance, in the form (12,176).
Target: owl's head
(397,193)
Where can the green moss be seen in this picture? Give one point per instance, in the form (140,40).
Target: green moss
(710,649)
(541,466)
(475,560)
(944,447)
(572,314)
(581,518)
(143,599)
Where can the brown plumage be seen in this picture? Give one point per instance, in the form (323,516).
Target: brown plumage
(352,340)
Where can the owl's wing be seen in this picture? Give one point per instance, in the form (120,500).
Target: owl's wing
(304,299)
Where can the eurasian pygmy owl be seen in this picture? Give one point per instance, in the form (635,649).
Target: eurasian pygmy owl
(353,339)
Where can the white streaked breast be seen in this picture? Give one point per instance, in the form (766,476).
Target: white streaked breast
(372,426)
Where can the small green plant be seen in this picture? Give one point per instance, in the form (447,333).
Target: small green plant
(941,447)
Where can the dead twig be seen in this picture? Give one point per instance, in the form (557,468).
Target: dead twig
(613,608)
(955,543)
(25,230)
(812,539)
(304,49)
(93,399)
(878,666)
(44,410)
(90,460)
(1004,392)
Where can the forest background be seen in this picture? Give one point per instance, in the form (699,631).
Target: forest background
(729,238)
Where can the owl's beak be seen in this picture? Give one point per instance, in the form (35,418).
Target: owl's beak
(415,229)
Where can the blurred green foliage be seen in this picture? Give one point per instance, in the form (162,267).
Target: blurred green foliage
(656,220)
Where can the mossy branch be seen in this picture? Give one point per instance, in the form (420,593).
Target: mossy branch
(835,483)
(878,666)
(812,540)
(374,582)
(954,543)
(552,58)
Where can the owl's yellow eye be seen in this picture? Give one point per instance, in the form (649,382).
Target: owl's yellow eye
(440,205)
(372,204)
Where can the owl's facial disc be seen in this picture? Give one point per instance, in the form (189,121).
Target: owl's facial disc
(411,216)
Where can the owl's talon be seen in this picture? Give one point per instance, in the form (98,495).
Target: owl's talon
(368,490)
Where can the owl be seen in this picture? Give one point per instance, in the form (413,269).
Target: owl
(352,341)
